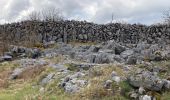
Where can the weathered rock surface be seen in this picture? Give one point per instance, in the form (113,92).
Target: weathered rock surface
(146,79)
(72,83)
(6,58)
(47,79)
(16,73)
(19,51)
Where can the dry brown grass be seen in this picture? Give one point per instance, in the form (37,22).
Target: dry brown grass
(3,47)
(31,72)
(82,43)
(5,71)
(4,79)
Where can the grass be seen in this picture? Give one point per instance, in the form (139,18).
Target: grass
(5,70)
(31,72)
(95,89)
(13,90)
(164,65)
(74,67)
(166,96)
(27,86)
(19,90)
(82,43)
(44,73)
(125,88)
(55,59)
(8,66)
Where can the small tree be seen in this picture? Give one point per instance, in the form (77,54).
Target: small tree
(166,16)
(52,14)
(34,16)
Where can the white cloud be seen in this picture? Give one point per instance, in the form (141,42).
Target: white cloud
(99,11)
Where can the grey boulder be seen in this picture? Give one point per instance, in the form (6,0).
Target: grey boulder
(47,79)
(71,88)
(147,80)
(16,73)
(126,53)
(6,58)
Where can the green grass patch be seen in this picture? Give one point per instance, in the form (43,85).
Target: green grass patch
(125,88)
(8,66)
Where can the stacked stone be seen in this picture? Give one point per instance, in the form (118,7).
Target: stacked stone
(68,31)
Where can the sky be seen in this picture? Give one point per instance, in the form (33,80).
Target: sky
(97,11)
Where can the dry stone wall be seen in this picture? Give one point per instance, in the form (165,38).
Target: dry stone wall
(68,31)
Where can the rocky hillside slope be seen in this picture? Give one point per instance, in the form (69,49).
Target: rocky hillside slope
(107,70)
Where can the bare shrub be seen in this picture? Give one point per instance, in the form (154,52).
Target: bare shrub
(52,14)
(166,16)
(34,16)
(48,14)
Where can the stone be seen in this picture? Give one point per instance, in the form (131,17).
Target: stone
(117,79)
(70,88)
(141,90)
(102,58)
(154,47)
(146,97)
(146,79)
(6,58)
(110,45)
(127,68)
(91,58)
(64,48)
(47,79)
(134,95)
(141,46)
(89,32)
(106,51)
(108,84)
(66,79)
(35,53)
(81,83)
(119,49)
(126,53)
(81,36)
(42,90)
(147,54)
(16,73)
(31,62)
(72,54)
(93,49)
(167,84)
(113,74)
(166,54)
(119,59)
(17,49)
(131,60)
(8,53)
